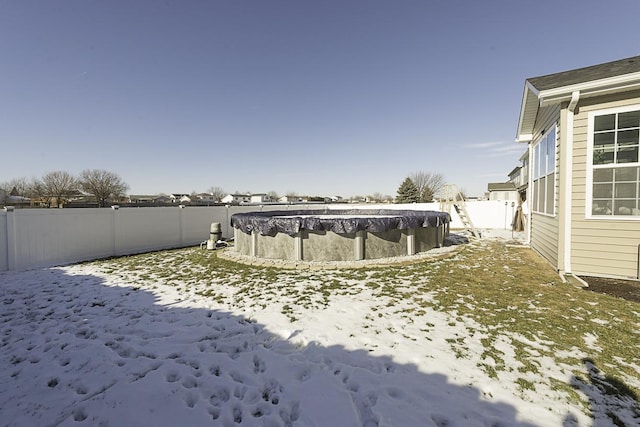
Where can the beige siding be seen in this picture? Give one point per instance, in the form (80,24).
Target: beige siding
(600,247)
(544,228)
(544,237)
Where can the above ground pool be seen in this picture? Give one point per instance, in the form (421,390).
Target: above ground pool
(338,234)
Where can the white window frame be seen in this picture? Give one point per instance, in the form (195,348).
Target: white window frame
(589,179)
(536,175)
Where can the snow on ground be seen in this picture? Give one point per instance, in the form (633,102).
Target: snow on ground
(80,347)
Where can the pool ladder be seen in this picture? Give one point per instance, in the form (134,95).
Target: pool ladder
(454,198)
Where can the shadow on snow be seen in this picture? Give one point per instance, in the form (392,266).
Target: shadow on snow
(75,351)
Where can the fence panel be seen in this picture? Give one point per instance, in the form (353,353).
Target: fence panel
(32,238)
(4,242)
(147,229)
(45,237)
(196,223)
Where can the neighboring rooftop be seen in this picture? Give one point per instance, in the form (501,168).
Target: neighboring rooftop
(501,186)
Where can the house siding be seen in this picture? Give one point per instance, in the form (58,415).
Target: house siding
(544,228)
(600,247)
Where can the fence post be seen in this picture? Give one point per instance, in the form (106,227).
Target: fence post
(11,238)
(182,219)
(115,224)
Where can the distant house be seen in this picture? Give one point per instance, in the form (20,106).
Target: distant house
(519,176)
(236,199)
(142,199)
(260,198)
(180,198)
(205,198)
(290,199)
(162,199)
(505,191)
(582,128)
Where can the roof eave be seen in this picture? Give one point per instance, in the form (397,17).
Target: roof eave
(599,87)
(530,100)
(533,99)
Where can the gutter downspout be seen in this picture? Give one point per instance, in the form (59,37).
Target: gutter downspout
(529,192)
(568,183)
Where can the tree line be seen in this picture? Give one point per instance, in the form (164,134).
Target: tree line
(54,189)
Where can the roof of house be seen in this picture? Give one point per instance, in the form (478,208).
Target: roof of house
(601,79)
(586,74)
(501,186)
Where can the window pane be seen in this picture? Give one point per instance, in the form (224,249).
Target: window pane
(629,120)
(603,175)
(601,140)
(628,137)
(601,207)
(625,191)
(602,191)
(536,195)
(625,207)
(550,193)
(624,174)
(541,194)
(627,155)
(551,155)
(606,122)
(603,156)
(536,161)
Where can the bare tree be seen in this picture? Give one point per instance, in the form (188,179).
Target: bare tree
(428,184)
(38,193)
(16,187)
(217,193)
(56,187)
(273,196)
(104,185)
(376,197)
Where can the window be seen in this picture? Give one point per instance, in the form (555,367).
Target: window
(615,167)
(544,173)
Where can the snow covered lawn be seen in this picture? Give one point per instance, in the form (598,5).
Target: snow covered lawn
(487,337)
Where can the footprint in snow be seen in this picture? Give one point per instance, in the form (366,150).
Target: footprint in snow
(290,415)
(237,414)
(172,376)
(258,365)
(79,414)
(396,393)
(237,377)
(81,389)
(239,392)
(189,382)
(191,399)
(304,374)
(215,413)
(219,396)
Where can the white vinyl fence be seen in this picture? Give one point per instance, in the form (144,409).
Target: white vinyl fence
(31,238)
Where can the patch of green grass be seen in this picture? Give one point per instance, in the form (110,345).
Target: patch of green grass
(524,384)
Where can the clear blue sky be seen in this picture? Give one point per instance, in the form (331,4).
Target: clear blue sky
(325,97)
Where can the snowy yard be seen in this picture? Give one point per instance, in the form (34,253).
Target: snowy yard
(489,336)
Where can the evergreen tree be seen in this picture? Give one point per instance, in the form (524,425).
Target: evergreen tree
(408,192)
